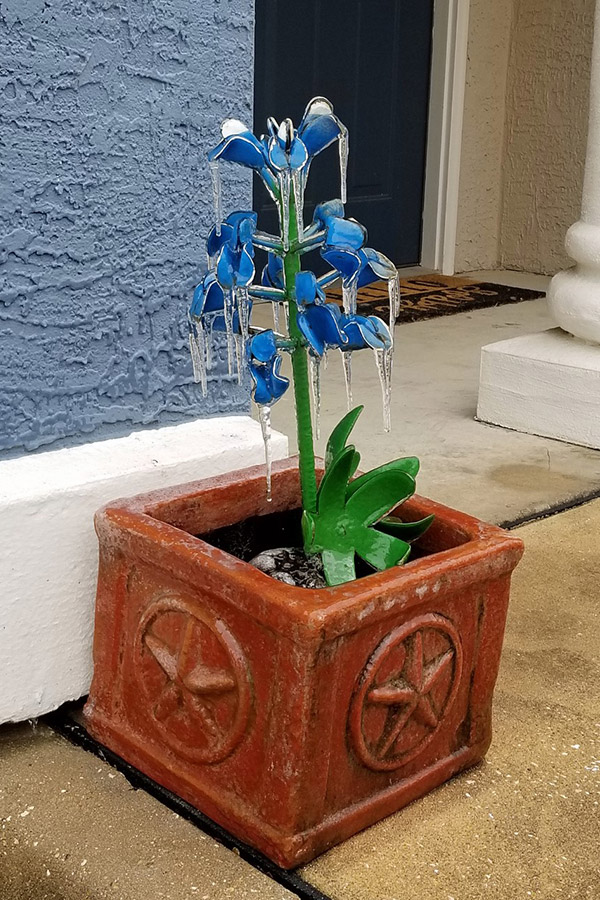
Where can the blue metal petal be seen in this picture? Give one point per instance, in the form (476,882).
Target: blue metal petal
(319,324)
(262,347)
(365,331)
(272,274)
(245,268)
(324,212)
(226,267)
(215,241)
(319,126)
(306,287)
(269,385)
(376,267)
(346,233)
(239,146)
(347,262)
(295,158)
(208,296)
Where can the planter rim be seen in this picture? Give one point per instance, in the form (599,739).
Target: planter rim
(317,607)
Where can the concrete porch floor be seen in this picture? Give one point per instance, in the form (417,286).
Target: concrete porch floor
(489,472)
(525,824)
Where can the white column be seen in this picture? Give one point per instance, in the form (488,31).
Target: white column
(549,383)
(574,295)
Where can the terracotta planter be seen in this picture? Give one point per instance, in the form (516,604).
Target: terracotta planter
(292,717)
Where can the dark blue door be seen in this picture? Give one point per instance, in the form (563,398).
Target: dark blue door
(371,58)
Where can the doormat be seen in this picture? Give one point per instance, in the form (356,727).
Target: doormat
(428,296)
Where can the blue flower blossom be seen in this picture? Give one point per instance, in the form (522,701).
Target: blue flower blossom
(272,274)
(265,363)
(233,249)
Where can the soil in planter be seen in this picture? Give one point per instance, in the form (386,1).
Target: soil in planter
(273,543)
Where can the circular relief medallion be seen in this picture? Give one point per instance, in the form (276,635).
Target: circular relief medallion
(195,679)
(405,691)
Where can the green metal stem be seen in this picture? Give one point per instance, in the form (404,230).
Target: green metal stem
(306,453)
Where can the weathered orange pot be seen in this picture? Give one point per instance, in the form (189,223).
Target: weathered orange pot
(292,717)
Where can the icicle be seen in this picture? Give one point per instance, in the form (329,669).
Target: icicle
(264,413)
(384,360)
(243,304)
(209,341)
(315,383)
(286,316)
(216,185)
(275,306)
(347,358)
(284,187)
(298,182)
(349,297)
(394,295)
(198,354)
(343,151)
(228,316)
(325,359)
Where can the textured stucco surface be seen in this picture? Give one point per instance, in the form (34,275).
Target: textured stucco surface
(524,133)
(547,119)
(107,108)
(480,186)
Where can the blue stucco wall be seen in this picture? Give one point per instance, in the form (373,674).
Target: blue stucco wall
(107,109)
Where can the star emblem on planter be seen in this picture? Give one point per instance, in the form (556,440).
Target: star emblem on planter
(195,680)
(198,688)
(406,690)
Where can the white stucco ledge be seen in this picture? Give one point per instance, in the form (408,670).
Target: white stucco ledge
(546,384)
(48,558)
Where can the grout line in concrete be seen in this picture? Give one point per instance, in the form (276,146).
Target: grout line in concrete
(556,509)
(60,722)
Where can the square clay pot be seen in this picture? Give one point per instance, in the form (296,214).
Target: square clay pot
(293,717)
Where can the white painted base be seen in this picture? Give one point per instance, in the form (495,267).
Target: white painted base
(48,548)
(546,384)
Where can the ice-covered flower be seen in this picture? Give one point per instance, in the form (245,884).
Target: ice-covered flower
(264,363)
(323,325)
(232,248)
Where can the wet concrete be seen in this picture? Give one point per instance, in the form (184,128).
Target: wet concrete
(73,828)
(495,474)
(526,823)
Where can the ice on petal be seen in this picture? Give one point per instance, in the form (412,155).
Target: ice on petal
(343,152)
(298,182)
(384,361)
(216,186)
(198,354)
(349,298)
(315,383)
(347,359)
(231,344)
(264,414)
(284,209)
(394,295)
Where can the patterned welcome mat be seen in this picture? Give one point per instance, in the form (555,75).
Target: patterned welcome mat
(428,296)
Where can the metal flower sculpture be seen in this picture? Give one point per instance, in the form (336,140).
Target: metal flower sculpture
(342,518)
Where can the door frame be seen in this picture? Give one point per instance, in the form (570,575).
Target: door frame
(444,139)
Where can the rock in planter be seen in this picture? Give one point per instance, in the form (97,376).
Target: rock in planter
(293,717)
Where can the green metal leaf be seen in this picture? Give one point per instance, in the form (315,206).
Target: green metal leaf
(374,498)
(407,531)
(380,550)
(332,490)
(409,464)
(339,566)
(340,434)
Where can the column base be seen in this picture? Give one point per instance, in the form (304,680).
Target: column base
(546,384)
